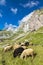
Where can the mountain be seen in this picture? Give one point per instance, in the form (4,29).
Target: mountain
(32,21)
(5,34)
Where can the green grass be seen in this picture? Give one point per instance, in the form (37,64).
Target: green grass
(35,37)
(6,58)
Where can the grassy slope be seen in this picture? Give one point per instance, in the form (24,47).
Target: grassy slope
(9,40)
(8,59)
(37,38)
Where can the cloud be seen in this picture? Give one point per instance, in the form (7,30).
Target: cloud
(2,2)
(14,10)
(30,4)
(9,26)
(5,25)
(1,15)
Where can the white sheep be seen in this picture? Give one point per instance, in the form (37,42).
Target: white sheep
(27,52)
(7,48)
(24,47)
(15,46)
(22,44)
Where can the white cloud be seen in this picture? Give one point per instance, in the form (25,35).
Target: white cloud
(1,15)
(9,26)
(14,10)
(6,25)
(2,2)
(30,4)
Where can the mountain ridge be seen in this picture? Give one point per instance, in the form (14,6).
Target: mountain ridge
(34,22)
(30,22)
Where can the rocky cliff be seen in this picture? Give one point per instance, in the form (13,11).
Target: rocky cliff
(32,21)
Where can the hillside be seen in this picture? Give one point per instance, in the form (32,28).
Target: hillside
(33,34)
(36,37)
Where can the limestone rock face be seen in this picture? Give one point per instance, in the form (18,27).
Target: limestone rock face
(32,21)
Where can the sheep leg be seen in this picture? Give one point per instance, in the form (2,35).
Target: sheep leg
(32,55)
(25,56)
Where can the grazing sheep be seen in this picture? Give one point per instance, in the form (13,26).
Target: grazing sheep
(16,46)
(18,51)
(30,43)
(27,52)
(26,43)
(7,48)
(22,44)
(24,47)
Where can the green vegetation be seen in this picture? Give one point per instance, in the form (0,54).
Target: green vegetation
(8,59)
(36,37)
(40,11)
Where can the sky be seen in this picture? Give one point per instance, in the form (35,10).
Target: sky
(12,11)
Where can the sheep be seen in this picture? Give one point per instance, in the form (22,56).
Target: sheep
(27,52)
(18,51)
(15,46)
(26,43)
(30,43)
(7,48)
(24,47)
(22,44)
